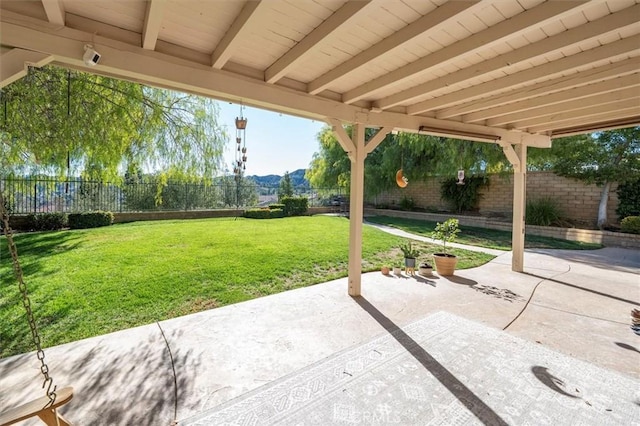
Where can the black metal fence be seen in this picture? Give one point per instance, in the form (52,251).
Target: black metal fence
(40,195)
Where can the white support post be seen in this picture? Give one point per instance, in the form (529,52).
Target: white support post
(356,210)
(519,202)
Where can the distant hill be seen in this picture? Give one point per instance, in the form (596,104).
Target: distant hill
(297,179)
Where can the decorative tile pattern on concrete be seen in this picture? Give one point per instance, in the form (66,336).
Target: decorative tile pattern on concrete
(439,370)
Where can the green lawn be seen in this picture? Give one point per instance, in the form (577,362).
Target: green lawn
(89,282)
(481,237)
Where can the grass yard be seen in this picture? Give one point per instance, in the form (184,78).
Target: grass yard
(89,282)
(481,237)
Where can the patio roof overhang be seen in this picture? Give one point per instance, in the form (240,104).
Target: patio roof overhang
(514,72)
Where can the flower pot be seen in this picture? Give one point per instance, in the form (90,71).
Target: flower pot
(385,270)
(397,270)
(409,262)
(425,270)
(445,263)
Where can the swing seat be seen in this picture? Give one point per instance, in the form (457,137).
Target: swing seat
(39,407)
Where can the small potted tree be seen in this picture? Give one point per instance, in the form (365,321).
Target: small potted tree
(410,255)
(445,232)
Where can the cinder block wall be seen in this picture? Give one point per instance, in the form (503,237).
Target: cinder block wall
(577,200)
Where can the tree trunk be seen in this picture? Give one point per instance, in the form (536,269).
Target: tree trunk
(602,208)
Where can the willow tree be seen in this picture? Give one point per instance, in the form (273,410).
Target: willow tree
(61,121)
(420,156)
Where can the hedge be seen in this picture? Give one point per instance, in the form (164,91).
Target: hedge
(258,214)
(630,224)
(276,207)
(90,219)
(46,221)
(295,206)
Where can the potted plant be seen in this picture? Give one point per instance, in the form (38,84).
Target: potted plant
(425,269)
(445,232)
(410,255)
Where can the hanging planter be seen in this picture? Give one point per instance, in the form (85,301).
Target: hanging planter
(401,180)
(241,123)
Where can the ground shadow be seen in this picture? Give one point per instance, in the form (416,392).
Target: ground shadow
(130,382)
(460,280)
(470,400)
(610,296)
(500,293)
(605,258)
(626,346)
(426,280)
(549,380)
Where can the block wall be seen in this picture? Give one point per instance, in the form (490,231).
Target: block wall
(577,200)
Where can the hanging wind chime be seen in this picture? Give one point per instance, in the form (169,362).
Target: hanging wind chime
(239,165)
(460,177)
(401,179)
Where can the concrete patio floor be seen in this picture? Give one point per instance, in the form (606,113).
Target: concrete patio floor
(580,303)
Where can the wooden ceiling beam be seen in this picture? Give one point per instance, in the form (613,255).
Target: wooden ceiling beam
(488,37)
(14,64)
(474,110)
(591,114)
(338,19)
(592,30)
(224,49)
(55,11)
(594,94)
(611,51)
(152,23)
(436,19)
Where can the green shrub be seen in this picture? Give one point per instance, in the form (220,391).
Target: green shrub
(543,212)
(276,206)
(90,219)
(628,199)
(630,224)
(276,213)
(46,221)
(258,214)
(465,197)
(295,206)
(407,203)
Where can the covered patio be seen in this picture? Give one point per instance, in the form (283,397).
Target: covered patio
(512,73)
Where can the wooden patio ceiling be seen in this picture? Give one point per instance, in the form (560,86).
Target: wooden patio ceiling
(522,70)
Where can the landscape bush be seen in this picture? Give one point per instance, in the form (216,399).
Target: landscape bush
(543,212)
(276,206)
(257,214)
(90,220)
(46,221)
(630,224)
(276,213)
(407,204)
(628,199)
(465,197)
(295,206)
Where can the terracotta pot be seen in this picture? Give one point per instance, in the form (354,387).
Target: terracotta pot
(445,263)
(385,270)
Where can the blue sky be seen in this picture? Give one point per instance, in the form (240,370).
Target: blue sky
(276,143)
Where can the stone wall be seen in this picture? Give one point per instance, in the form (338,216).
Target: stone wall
(578,201)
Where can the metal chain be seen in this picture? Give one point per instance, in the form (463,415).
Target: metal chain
(26,302)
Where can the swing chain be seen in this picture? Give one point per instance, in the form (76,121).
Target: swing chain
(26,302)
